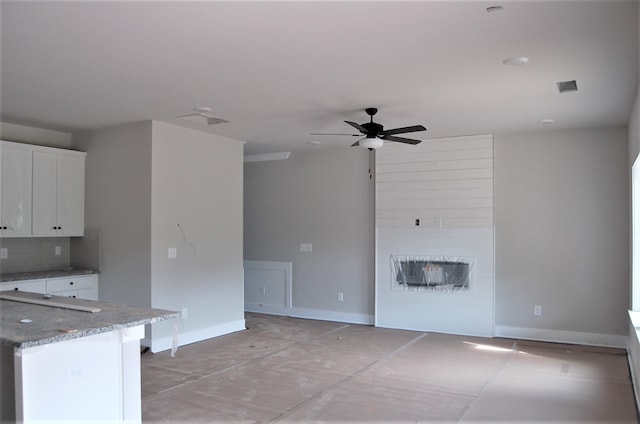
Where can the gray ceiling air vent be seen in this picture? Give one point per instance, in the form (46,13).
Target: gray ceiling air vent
(567,86)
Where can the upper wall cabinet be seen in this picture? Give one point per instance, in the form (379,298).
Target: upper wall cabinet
(42,190)
(58,193)
(15,190)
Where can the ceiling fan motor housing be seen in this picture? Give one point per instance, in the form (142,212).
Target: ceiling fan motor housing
(373,129)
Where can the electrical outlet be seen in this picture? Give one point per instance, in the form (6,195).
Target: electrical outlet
(340,297)
(185,313)
(4,253)
(306,247)
(173,253)
(537,310)
(58,250)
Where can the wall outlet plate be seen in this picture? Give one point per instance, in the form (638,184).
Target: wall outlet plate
(173,253)
(4,253)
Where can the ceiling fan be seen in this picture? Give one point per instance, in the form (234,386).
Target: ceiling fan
(375,135)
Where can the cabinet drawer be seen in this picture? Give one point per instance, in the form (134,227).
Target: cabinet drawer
(71,283)
(34,286)
(87,294)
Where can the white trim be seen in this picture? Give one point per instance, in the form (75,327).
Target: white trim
(633,353)
(308,313)
(287,267)
(466,332)
(635,235)
(166,343)
(634,378)
(560,336)
(266,157)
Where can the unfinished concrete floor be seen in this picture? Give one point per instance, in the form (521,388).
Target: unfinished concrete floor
(291,370)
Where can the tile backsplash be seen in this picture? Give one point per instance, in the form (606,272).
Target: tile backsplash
(34,254)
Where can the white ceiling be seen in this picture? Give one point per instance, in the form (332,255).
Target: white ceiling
(280,71)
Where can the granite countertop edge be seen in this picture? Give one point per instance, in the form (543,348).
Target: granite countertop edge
(91,331)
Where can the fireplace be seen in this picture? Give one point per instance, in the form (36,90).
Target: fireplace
(432,274)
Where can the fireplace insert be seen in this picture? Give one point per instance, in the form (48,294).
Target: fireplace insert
(432,272)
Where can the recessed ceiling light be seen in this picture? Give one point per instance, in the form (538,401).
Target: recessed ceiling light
(546,121)
(516,61)
(313,143)
(492,9)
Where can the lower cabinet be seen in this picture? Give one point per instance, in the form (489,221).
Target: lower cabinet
(80,286)
(33,286)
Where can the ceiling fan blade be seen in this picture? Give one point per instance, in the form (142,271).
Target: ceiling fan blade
(359,127)
(400,139)
(413,128)
(352,135)
(357,143)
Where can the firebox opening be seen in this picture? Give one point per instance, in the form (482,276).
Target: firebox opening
(434,274)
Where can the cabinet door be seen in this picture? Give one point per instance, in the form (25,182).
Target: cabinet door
(45,187)
(70,199)
(15,191)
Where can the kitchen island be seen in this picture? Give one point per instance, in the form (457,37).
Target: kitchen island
(59,364)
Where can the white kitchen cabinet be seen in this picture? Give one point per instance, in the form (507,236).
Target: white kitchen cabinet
(15,189)
(33,286)
(58,193)
(79,286)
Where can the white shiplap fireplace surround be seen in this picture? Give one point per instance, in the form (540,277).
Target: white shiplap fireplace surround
(435,199)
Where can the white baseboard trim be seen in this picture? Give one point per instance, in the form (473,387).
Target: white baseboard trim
(475,332)
(634,377)
(165,343)
(633,353)
(560,336)
(308,313)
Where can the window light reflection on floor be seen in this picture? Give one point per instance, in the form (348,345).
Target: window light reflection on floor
(492,348)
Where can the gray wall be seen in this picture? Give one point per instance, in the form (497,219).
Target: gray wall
(634,129)
(197,209)
(562,233)
(118,203)
(142,180)
(324,198)
(561,216)
(33,135)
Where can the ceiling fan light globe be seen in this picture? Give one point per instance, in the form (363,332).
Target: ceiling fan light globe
(371,143)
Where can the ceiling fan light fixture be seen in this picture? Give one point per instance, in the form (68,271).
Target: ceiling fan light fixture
(372,143)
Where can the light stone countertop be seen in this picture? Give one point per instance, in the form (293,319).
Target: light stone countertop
(51,324)
(38,275)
